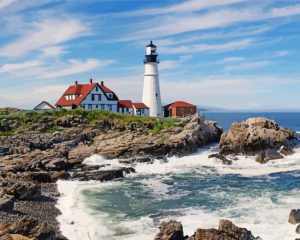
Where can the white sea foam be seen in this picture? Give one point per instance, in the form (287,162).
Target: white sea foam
(261,215)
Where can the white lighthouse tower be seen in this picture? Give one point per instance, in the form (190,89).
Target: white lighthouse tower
(151,91)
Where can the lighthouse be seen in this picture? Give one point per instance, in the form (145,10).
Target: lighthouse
(151,91)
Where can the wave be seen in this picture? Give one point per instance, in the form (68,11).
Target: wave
(86,206)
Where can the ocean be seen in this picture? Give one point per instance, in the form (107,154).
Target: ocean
(194,190)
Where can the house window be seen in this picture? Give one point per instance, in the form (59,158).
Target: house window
(97,106)
(90,106)
(142,111)
(109,107)
(102,106)
(93,97)
(99,97)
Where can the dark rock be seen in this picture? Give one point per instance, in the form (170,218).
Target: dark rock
(24,191)
(221,157)
(294,216)
(269,154)
(44,177)
(6,204)
(298,229)
(286,151)
(171,230)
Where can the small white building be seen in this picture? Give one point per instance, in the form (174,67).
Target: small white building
(89,96)
(140,109)
(44,106)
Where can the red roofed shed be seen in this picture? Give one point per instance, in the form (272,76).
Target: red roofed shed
(180,109)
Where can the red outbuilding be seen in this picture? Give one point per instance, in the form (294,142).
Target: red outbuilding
(180,109)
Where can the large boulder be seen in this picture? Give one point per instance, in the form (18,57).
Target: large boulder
(294,216)
(255,135)
(171,230)
(227,231)
(24,191)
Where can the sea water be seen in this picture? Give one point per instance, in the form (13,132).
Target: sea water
(195,190)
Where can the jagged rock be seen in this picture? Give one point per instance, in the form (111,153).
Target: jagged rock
(298,229)
(24,191)
(44,177)
(255,135)
(294,216)
(269,154)
(171,230)
(6,204)
(227,231)
(102,175)
(14,237)
(29,227)
(221,157)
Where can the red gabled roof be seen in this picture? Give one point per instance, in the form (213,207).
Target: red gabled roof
(180,104)
(125,103)
(82,90)
(140,105)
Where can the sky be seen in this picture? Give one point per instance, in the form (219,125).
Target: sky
(231,54)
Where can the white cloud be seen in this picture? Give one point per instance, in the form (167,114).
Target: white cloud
(194,48)
(286,11)
(53,51)
(231,59)
(74,67)
(168,64)
(45,34)
(10,68)
(186,6)
(247,65)
(5,3)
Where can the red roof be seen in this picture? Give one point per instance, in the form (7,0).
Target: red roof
(140,105)
(180,104)
(125,103)
(82,90)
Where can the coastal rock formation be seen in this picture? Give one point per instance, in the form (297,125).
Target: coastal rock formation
(28,227)
(173,230)
(258,136)
(294,217)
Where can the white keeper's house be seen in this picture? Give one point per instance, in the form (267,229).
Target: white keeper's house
(98,96)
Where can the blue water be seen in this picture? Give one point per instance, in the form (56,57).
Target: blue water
(195,190)
(225,119)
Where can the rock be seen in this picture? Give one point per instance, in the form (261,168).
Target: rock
(14,237)
(221,157)
(227,231)
(56,165)
(44,177)
(24,191)
(102,175)
(294,216)
(298,229)
(30,228)
(6,204)
(171,230)
(255,135)
(269,154)
(286,151)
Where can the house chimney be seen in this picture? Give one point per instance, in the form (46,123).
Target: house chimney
(102,83)
(76,82)
(91,81)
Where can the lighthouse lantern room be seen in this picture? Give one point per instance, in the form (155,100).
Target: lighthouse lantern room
(151,91)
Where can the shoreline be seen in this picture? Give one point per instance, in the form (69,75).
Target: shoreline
(81,215)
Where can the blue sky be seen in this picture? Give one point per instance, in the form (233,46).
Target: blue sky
(233,54)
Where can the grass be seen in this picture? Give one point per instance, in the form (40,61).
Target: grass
(25,119)
(165,124)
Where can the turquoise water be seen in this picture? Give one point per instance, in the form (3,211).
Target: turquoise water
(194,190)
